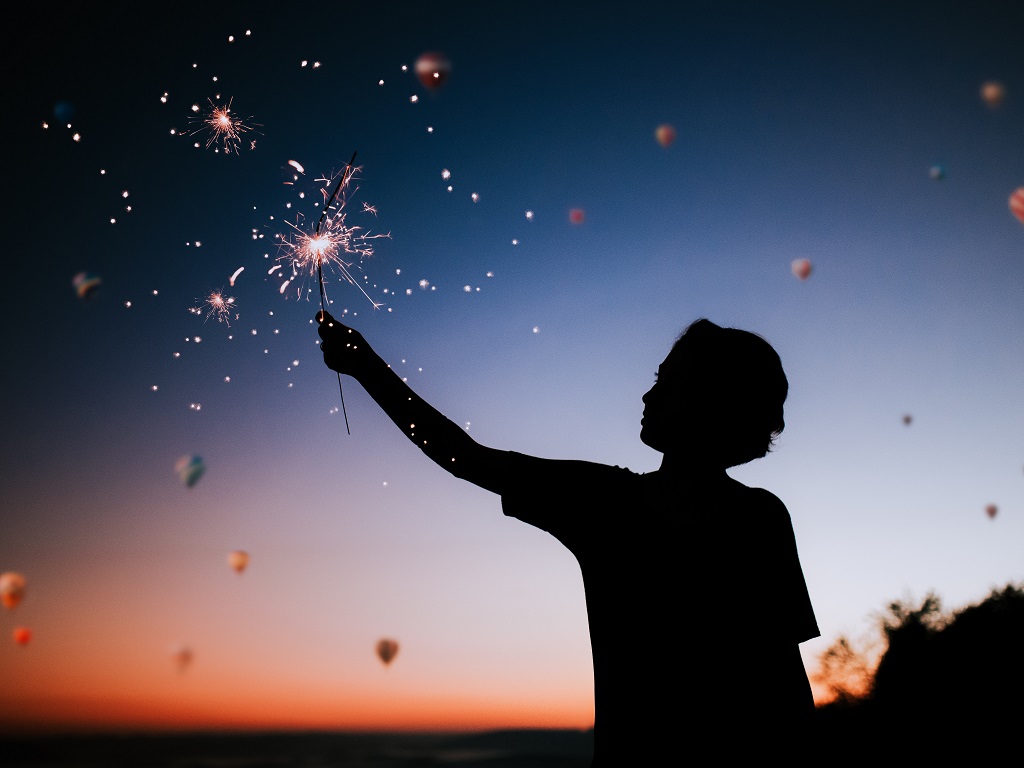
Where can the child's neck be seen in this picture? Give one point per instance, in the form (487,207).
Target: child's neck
(688,468)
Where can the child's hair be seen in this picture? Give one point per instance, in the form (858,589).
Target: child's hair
(741,386)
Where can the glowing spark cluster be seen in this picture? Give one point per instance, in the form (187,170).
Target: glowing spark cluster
(219,306)
(332,243)
(223,126)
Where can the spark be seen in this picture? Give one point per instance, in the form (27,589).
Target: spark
(223,126)
(218,305)
(236,274)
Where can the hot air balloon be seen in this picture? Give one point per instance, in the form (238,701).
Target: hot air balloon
(801,268)
(238,560)
(190,469)
(907,418)
(387,650)
(991,510)
(181,655)
(937,172)
(576,216)
(665,134)
(993,93)
(433,68)
(1017,203)
(22,635)
(86,285)
(12,589)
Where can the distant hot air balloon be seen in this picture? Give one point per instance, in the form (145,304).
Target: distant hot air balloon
(577,215)
(993,93)
(387,650)
(665,134)
(190,469)
(86,285)
(238,560)
(801,268)
(907,418)
(181,655)
(22,635)
(1017,203)
(12,589)
(432,69)
(991,510)
(937,172)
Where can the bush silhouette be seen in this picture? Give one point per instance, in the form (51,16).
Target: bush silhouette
(950,680)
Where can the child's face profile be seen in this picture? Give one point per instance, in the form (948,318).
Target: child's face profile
(663,426)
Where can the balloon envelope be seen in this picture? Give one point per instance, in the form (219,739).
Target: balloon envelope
(86,285)
(22,635)
(1017,203)
(577,215)
(432,69)
(665,134)
(387,650)
(801,268)
(181,656)
(991,510)
(190,469)
(238,560)
(993,93)
(12,589)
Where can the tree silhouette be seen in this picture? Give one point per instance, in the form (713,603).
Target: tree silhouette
(952,681)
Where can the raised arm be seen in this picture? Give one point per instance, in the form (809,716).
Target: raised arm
(446,444)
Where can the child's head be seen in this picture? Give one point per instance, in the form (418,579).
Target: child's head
(719,396)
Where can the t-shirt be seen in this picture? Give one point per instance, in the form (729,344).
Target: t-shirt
(696,601)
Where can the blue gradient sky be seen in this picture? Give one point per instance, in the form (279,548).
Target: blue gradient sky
(803,132)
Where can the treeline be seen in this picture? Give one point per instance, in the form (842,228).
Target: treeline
(933,685)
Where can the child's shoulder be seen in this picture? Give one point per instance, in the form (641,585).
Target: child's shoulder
(758,498)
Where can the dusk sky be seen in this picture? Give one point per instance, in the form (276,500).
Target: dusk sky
(854,135)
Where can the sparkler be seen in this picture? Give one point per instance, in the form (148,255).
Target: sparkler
(330,243)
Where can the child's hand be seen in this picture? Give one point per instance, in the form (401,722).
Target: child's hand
(344,348)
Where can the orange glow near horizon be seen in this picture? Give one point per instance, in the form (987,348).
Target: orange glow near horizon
(289,711)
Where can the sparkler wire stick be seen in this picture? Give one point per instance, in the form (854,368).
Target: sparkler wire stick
(320,270)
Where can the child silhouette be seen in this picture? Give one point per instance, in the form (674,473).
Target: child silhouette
(695,595)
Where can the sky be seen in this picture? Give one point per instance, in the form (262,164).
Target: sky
(852,135)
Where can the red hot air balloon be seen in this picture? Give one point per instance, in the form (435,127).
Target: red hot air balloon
(991,510)
(22,635)
(577,215)
(1017,203)
(665,134)
(801,268)
(432,69)
(12,589)
(387,650)
(993,93)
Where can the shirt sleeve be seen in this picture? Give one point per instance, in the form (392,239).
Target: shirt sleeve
(795,607)
(560,496)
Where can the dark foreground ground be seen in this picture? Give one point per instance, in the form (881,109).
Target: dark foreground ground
(497,749)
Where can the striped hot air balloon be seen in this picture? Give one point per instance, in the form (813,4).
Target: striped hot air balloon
(1017,203)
